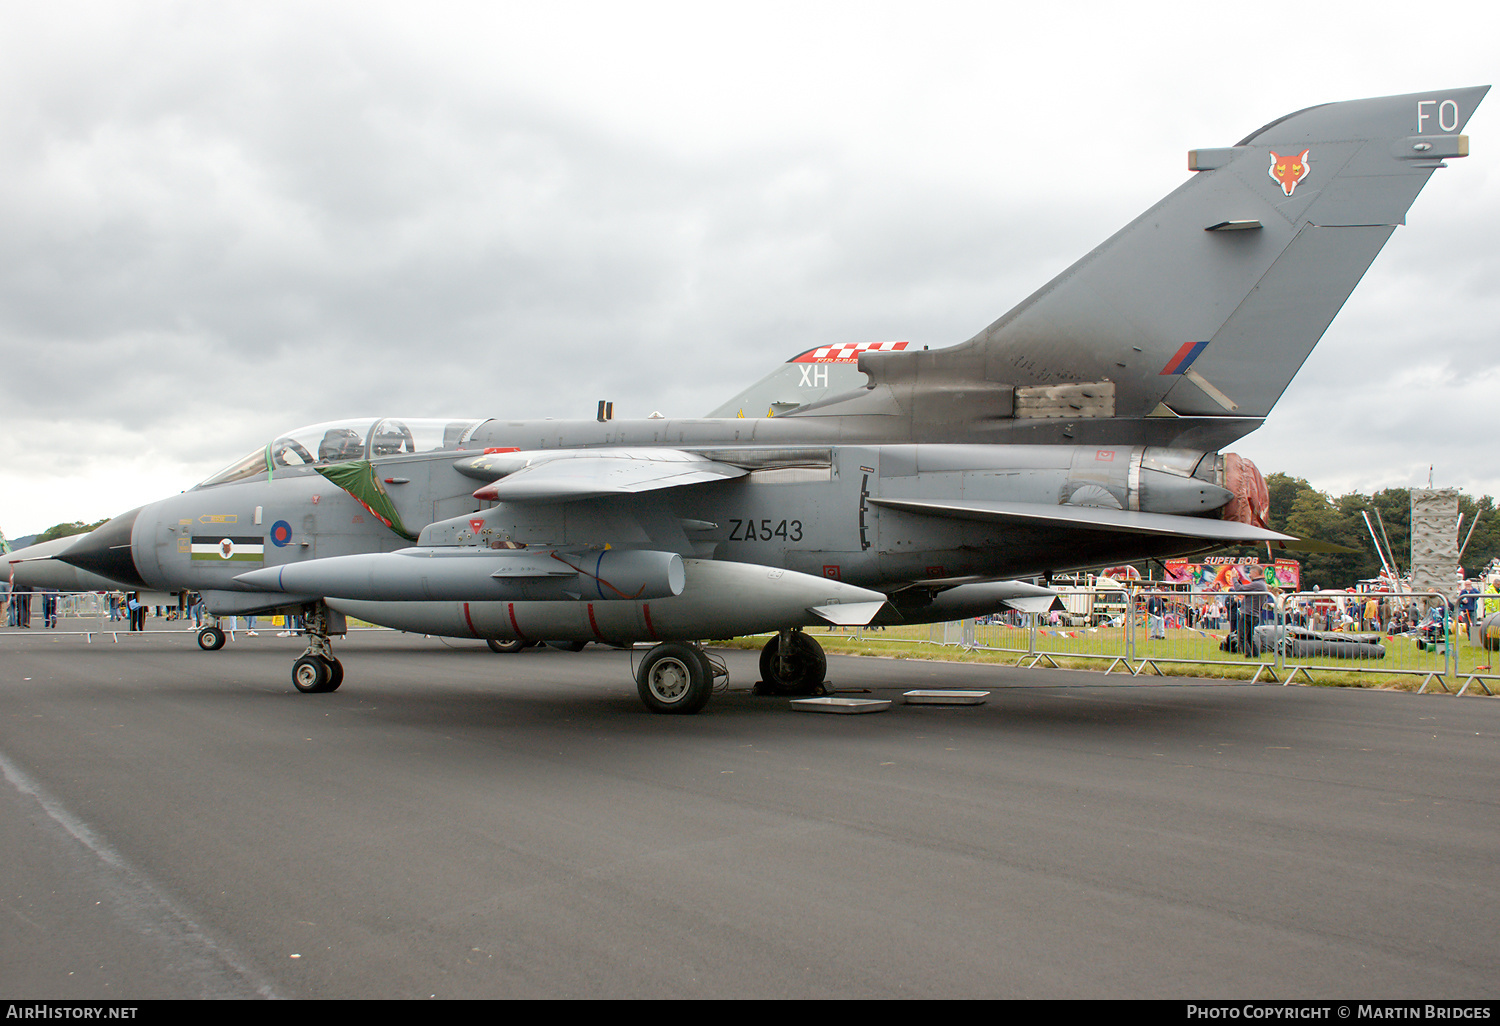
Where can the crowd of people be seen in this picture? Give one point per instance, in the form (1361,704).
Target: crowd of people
(125,607)
(1250,601)
(118,606)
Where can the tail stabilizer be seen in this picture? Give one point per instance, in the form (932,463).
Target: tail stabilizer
(1202,309)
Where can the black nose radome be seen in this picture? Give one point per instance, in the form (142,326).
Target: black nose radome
(106,551)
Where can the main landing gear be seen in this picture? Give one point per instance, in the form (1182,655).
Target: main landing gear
(792,664)
(676,677)
(318,672)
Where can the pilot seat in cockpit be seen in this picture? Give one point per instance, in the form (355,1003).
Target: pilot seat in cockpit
(340,444)
(391,438)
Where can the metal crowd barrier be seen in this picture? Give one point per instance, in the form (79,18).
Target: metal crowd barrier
(85,613)
(1200,628)
(1093,625)
(1193,627)
(1428,647)
(88,613)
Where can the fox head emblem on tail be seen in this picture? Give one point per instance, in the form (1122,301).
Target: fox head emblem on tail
(1288,171)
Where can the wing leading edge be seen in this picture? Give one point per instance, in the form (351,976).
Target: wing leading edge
(567,475)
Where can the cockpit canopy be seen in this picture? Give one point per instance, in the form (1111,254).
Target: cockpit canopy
(339,441)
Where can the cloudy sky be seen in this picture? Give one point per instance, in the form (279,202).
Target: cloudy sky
(222,220)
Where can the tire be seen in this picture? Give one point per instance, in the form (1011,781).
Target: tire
(210,639)
(674,678)
(505,646)
(805,672)
(1489,632)
(708,667)
(314,676)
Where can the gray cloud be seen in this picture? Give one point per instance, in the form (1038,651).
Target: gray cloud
(222,222)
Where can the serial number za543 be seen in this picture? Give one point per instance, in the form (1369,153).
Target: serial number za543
(765,530)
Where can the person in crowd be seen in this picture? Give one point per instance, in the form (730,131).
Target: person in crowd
(1468,604)
(1155,617)
(1251,598)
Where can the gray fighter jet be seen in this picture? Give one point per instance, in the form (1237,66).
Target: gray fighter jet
(1080,429)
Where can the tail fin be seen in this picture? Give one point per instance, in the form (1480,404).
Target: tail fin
(1205,306)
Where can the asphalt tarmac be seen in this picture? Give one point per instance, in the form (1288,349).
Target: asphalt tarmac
(455,823)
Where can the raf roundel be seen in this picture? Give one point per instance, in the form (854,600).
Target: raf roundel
(281,533)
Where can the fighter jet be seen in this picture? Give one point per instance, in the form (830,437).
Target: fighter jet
(1082,428)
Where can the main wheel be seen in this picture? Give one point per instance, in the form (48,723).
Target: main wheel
(674,678)
(312,675)
(210,639)
(799,672)
(505,646)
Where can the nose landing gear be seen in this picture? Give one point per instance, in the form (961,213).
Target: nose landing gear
(318,672)
(315,675)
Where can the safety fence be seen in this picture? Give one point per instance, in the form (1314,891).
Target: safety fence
(1278,637)
(91,614)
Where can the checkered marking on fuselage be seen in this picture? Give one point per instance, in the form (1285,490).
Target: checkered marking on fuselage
(847,352)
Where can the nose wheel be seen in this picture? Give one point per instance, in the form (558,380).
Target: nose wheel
(317,672)
(316,675)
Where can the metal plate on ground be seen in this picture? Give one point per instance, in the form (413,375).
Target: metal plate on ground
(945,697)
(841,705)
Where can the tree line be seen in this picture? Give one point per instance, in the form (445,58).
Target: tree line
(1298,509)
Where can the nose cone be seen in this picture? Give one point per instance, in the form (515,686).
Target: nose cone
(106,551)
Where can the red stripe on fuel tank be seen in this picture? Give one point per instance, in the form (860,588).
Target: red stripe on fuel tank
(469,620)
(650,629)
(593,625)
(511,607)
